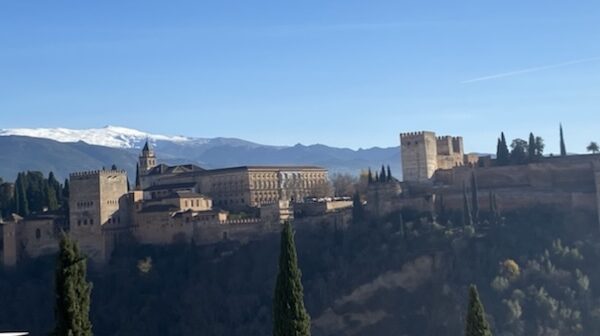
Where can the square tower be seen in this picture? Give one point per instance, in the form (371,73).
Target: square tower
(419,155)
(94,206)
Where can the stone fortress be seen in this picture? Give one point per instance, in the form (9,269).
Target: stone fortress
(186,202)
(173,204)
(436,169)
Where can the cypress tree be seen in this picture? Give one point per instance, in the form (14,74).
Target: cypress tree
(357,207)
(499,151)
(72,292)
(389,173)
(402,226)
(467,215)
(376,177)
(66,191)
(370,176)
(138,185)
(474,197)
(503,149)
(382,175)
(563,148)
(502,153)
(476,324)
(531,148)
(21,201)
(289,315)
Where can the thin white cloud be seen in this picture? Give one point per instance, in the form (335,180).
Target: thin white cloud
(529,70)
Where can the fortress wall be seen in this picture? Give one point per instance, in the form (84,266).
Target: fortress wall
(242,231)
(510,199)
(576,176)
(39,236)
(9,243)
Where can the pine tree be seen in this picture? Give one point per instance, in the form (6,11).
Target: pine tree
(389,173)
(72,292)
(476,324)
(474,197)
(289,315)
(467,215)
(563,148)
(531,148)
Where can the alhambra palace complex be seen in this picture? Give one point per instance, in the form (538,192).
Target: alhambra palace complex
(185,202)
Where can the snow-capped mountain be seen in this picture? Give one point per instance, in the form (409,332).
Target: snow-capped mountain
(64,150)
(109,136)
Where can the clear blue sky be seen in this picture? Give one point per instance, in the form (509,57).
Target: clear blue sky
(343,73)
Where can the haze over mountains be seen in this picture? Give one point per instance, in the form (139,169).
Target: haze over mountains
(66,150)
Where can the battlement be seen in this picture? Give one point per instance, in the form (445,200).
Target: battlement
(95,173)
(416,134)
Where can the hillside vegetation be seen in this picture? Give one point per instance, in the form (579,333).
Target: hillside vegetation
(402,275)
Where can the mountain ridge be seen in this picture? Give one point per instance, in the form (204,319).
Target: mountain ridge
(64,150)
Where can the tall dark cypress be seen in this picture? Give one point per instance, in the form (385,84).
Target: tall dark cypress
(531,148)
(389,173)
(467,215)
(72,292)
(563,148)
(357,208)
(474,197)
(476,324)
(289,315)
(502,153)
(382,175)
(21,201)
(370,176)
(66,191)
(138,185)
(499,151)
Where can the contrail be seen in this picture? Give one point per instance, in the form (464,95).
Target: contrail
(535,69)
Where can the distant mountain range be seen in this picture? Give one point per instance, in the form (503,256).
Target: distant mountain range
(66,150)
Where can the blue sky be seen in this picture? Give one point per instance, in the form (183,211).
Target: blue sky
(343,73)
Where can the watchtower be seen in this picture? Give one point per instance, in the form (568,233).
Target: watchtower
(419,155)
(94,204)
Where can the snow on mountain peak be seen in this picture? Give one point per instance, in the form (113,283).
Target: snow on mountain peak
(109,136)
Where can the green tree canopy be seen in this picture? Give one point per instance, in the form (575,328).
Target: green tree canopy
(593,147)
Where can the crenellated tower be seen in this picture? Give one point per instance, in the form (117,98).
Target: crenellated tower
(95,210)
(419,155)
